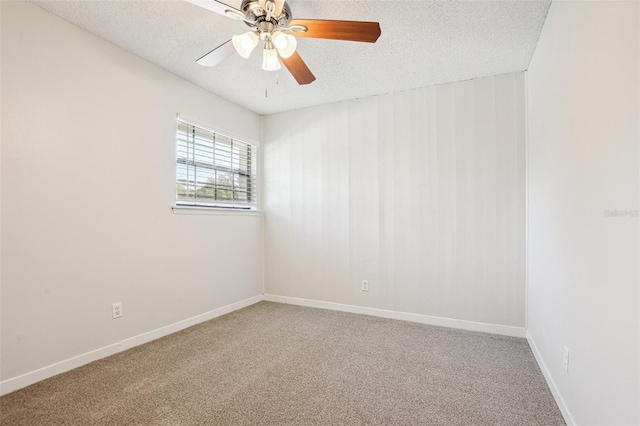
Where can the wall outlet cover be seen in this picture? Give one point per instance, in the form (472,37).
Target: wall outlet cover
(116,310)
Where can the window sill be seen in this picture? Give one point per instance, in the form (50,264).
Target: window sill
(221,211)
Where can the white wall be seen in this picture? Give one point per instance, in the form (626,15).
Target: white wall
(420,192)
(88,143)
(583,159)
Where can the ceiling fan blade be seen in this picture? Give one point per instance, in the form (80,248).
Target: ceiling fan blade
(338,30)
(298,69)
(217,55)
(218,7)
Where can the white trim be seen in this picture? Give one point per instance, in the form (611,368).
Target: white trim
(32,377)
(201,210)
(552,385)
(504,330)
(526,199)
(43,373)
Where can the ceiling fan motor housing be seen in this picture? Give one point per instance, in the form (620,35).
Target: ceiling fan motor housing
(254,13)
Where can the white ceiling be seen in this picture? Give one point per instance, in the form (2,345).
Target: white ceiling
(422,43)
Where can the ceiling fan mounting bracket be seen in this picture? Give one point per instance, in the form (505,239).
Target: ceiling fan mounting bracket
(297,29)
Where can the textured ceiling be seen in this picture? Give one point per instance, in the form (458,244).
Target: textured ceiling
(422,43)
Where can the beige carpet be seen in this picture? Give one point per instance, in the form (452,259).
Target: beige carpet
(276,364)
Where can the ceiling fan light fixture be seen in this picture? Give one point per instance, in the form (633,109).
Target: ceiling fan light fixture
(245,43)
(273,23)
(285,43)
(270,61)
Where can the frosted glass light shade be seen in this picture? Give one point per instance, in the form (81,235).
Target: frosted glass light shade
(245,43)
(285,43)
(270,61)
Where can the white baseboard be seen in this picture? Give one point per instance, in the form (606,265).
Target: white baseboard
(552,385)
(504,330)
(32,377)
(40,374)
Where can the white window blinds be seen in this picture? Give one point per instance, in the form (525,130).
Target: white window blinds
(213,169)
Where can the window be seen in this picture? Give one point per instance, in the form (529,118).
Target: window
(214,170)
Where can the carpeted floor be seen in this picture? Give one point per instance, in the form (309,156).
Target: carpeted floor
(277,364)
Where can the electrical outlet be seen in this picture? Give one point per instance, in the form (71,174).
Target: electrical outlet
(116,309)
(565,359)
(365,285)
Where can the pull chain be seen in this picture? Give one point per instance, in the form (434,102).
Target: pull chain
(266,83)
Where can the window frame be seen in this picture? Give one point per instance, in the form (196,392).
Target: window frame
(189,207)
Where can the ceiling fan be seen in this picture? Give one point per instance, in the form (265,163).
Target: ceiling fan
(272,22)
